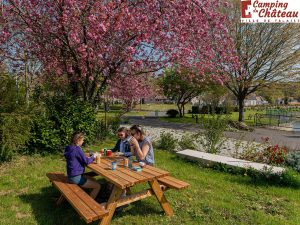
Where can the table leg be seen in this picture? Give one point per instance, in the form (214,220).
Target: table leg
(128,191)
(111,205)
(161,197)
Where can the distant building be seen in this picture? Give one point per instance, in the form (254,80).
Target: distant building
(254,100)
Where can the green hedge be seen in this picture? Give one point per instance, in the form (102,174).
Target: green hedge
(53,128)
(14,133)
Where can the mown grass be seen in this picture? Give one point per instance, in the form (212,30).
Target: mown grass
(249,119)
(213,197)
(160,107)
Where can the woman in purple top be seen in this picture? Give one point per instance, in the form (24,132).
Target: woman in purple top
(76,162)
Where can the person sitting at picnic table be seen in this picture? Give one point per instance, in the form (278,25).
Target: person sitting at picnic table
(122,144)
(76,162)
(141,145)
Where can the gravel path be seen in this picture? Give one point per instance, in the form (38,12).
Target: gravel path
(288,139)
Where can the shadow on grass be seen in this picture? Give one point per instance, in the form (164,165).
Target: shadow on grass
(46,212)
(140,208)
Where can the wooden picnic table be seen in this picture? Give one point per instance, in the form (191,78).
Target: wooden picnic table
(124,178)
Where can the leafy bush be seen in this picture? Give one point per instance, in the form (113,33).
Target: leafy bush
(172,113)
(293,160)
(167,141)
(101,131)
(275,154)
(187,142)
(252,154)
(14,133)
(212,138)
(287,178)
(114,124)
(208,109)
(12,97)
(105,130)
(195,109)
(53,128)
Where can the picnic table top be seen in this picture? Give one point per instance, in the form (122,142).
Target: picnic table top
(124,177)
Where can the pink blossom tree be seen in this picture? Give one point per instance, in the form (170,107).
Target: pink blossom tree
(92,42)
(130,89)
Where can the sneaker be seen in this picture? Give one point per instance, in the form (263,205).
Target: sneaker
(120,209)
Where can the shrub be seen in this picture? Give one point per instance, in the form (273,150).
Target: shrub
(105,130)
(172,113)
(251,153)
(287,178)
(14,133)
(293,160)
(101,131)
(212,138)
(53,128)
(208,109)
(11,99)
(187,142)
(114,124)
(167,141)
(275,154)
(195,109)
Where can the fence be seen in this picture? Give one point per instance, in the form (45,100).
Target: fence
(280,120)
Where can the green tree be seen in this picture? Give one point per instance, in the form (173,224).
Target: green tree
(214,94)
(11,93)
(181,86)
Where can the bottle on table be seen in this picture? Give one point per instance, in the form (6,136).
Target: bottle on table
(130,162)
(126,162)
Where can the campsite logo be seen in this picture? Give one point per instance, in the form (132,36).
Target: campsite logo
(270,11)
(245,8)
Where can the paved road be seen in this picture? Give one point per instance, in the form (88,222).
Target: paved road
(289,139)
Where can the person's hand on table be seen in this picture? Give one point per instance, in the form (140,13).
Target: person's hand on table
(96,154)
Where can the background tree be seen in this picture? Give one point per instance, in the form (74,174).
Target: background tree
(130,90)
(92,42)
(266,53)
(214,94)
(181,86)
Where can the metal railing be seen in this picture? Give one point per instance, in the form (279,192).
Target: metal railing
(284,120)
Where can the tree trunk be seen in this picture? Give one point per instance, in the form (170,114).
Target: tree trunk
(182,109)
(26,85)
(179,109)
(74,88)
(241,108)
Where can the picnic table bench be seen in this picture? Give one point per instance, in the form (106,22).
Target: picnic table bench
(123,179)
(86,207)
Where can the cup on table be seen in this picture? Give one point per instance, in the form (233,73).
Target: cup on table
(109,153)
(98,159)
(114,165)
(126,162)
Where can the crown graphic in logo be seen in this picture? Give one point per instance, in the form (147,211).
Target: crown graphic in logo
(245,9)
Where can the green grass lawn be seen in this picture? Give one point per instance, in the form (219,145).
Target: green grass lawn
(113,113)
(233,116)
(160,107)
(214,197)
(150,107)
